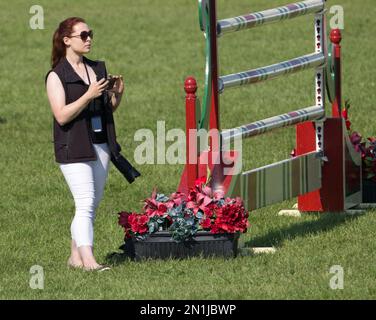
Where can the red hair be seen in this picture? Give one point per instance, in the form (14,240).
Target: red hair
(65,29)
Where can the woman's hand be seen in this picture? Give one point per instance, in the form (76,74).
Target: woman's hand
(96,88)
(118,87)
(116,92)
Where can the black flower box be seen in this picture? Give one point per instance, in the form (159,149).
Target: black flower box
(369,191)
(160,245)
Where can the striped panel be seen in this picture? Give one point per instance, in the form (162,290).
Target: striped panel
(312,60)
(281,181)
(320,34)
(283,120)
(251,20)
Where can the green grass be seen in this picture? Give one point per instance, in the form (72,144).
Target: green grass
(155,45)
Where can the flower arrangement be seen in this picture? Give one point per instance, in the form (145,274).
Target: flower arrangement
(183,215)
(366,148)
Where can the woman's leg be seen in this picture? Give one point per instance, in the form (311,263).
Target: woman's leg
(101,167)
(86,182)
(75,257)
(100,173)
(80,179)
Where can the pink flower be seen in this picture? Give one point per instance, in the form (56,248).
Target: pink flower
(200,199)
(154,208)
(176,199)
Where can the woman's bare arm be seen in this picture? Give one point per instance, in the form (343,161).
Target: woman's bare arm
(56,95)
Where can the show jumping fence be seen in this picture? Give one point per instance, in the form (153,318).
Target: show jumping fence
(325,174)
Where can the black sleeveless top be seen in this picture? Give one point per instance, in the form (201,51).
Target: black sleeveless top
(73,142)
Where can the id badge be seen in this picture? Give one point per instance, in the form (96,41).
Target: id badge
(96,124)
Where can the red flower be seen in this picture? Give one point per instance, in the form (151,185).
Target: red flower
(138,223)
(206,223)
(231,217)
(123,219)
(200,181)
(344,114)
(348,124)
(210,210)
(124,222)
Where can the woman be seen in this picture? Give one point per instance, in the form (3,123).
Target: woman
(84,133)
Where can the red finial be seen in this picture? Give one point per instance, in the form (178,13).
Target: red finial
(190,85)
(335,36)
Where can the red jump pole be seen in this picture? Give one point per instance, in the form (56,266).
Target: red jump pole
(335,38)
(190,87)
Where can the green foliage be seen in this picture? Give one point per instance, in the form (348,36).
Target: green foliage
(183,228)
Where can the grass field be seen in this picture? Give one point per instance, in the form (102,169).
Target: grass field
(155,45)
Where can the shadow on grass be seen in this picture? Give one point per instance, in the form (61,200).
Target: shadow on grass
(325,223)
(117,258)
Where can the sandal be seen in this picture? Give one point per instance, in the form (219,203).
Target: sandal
(100,268)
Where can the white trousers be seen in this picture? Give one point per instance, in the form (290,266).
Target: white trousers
(86,181)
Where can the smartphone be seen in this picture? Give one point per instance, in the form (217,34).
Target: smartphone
(111,82)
